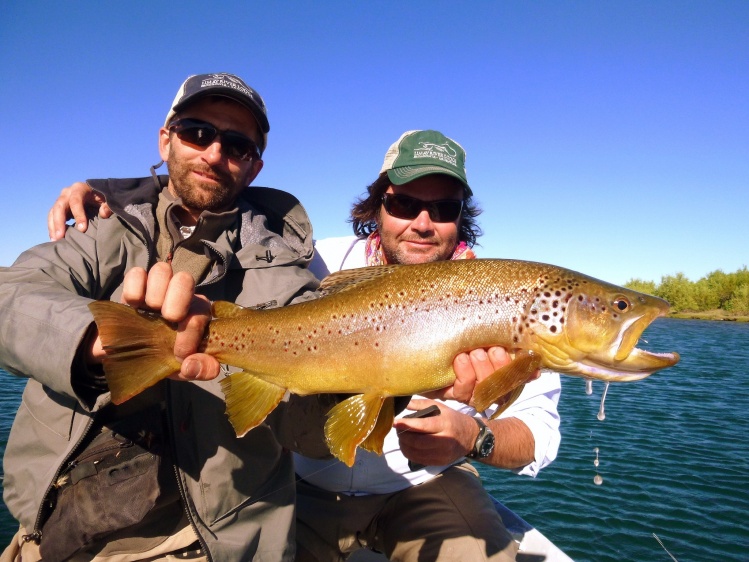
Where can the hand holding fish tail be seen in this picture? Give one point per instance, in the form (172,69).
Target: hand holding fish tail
(173,296)
(148,344)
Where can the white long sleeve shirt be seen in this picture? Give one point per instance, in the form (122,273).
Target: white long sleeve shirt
(375,474)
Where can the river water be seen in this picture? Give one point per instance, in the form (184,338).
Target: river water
(672,453)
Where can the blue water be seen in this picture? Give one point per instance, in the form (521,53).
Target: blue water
(672,451)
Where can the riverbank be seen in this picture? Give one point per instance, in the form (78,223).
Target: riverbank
(710,315)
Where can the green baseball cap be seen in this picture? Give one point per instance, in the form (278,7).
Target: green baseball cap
(420,153)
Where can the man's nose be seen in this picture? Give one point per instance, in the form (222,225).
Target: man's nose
(423,222)
(213,152)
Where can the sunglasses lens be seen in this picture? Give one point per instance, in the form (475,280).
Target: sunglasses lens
(402,207)
(200,135)
(408,208)
(446,211)
(238,146)
(233,145)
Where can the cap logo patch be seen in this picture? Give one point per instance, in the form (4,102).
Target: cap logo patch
(229,81)
(443,152)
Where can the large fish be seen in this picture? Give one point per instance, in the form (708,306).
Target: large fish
(380,332)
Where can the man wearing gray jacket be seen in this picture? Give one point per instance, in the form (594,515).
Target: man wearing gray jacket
(179,483)
(162,476)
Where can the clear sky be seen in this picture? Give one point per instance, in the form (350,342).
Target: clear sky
(607,137)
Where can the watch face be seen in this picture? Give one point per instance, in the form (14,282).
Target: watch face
(487,445)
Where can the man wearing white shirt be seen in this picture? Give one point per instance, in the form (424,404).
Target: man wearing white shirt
(422,500)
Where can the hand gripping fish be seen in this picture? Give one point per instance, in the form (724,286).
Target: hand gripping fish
(394,330)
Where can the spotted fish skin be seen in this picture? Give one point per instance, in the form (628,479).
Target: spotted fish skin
(395,330)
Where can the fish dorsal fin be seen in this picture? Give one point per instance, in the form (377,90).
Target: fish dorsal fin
(342,280)
(224,309)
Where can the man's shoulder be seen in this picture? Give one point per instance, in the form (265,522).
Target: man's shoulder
(121,192)
(281,208)
(336,253)
(280,201)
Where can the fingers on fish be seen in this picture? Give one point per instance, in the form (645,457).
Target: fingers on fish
(249,400)
(352,421)
(139,347)
(506,380)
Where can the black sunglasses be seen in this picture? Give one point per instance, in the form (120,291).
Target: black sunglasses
(233,144)
(405,207)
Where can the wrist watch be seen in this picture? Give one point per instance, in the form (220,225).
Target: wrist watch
(484,444)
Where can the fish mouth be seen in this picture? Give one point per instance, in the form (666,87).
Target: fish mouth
(631,363)
(631,334)
(636,366)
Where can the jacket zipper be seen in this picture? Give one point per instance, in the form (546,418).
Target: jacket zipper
(182,491)
(36,535)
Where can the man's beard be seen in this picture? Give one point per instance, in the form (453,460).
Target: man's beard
(400,256)
(198,196)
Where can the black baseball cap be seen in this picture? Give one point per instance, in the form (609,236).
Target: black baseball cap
(223,84)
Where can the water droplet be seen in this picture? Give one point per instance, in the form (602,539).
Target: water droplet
(597,480)
(588,387)
(601,414)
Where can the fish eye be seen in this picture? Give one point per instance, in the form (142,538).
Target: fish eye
(621,303)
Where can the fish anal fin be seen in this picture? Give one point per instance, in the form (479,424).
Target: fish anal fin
(506,379)
(349,423)
(376,438)
(249,400)
(139,348)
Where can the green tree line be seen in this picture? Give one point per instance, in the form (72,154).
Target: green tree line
(728,292)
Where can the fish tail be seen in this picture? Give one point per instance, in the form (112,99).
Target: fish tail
(139,347)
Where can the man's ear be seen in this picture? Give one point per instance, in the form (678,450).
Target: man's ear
(254,170)
(164,143)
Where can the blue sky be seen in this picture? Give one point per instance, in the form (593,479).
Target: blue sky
(607,137)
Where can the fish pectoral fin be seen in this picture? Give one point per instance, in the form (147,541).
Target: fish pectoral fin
(249,400)
(139,347)
(349,423)
(506,379)
(507,399)
(376,438)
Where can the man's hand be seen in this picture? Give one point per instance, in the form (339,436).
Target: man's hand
(72,203)
(470,369)
(173,296)
(435,440)
(441,440)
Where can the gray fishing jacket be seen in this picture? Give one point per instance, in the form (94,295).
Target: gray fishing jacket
(231,487)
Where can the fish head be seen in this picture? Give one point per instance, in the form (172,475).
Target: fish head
(598,329)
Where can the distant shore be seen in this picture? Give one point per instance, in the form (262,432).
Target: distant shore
(710,315)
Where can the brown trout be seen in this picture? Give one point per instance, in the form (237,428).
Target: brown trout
(387,331)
